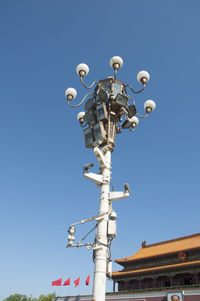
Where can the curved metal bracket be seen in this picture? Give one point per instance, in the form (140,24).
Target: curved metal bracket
(75,106)
(130,98)
(142,116)
(88,87)
(136,92)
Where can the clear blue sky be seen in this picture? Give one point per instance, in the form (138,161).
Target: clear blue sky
(42,148)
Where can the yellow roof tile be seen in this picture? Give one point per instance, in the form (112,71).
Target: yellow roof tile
(165,247)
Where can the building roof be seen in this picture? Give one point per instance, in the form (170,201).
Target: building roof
(166,247)
(171,266)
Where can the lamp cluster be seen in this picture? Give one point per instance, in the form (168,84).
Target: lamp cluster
(109,107)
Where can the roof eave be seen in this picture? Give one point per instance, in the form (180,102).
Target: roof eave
(121,261)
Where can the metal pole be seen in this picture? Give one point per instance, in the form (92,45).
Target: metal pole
(106,108)
(99,284)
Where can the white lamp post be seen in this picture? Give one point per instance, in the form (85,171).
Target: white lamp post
(107,111)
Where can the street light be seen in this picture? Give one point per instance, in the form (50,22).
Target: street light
(108,110)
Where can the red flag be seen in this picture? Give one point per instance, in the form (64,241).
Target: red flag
(76,282)
(57,282)
(67,282)
(87,282)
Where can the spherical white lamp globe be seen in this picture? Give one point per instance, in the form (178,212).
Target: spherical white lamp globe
(70,93)
(134,120)
(143,77)
(116,62)
(80,115)
(149,106)
(82,69)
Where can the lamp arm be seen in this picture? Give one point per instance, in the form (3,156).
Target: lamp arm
(142,116)
(88,87)
(136,92)
(115,75)
(130,98)
(75,106)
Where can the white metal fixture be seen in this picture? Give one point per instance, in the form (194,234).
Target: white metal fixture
(112,228)
(94,177)
(109,269)
(118,195)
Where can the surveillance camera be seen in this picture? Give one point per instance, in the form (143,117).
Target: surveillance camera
(126,188)
(71,230)
(70,239)
(87,166)
(113,215)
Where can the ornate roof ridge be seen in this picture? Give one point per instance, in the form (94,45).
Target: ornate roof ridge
(172,240)
(183,243)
